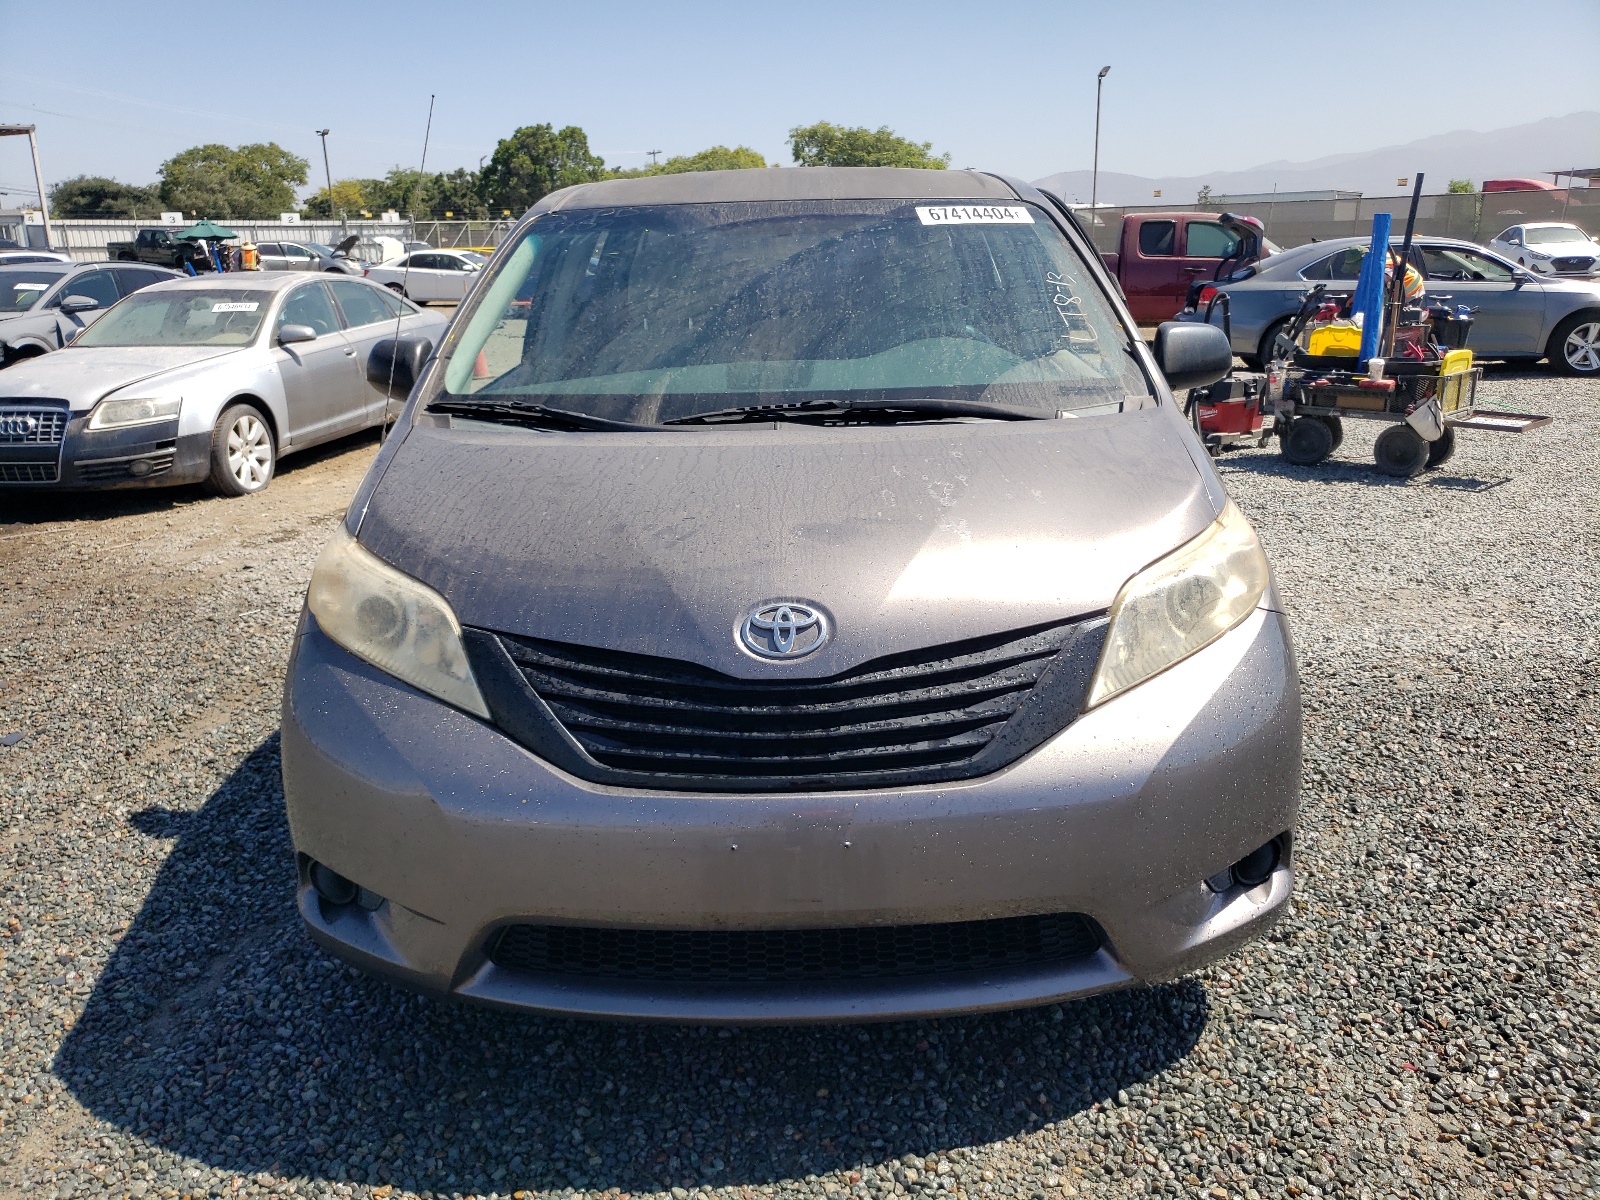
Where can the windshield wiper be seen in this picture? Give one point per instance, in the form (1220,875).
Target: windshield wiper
(927,408)
(521,412)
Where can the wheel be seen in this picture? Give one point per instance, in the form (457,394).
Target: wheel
(1337,426)
(1308,441)
(1400,451)
(1274,345)
(1575,345)
(395,287)
(1441,450)
(243,454)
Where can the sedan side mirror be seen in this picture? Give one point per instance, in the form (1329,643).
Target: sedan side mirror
(1192,355)
(289,334)
(395,364)
(78,304)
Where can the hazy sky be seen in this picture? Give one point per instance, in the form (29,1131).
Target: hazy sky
(117,88)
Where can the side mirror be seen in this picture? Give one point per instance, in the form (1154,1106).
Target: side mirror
(395,364)
(1192,355)
(289,334)
(1518,276)
(78,304)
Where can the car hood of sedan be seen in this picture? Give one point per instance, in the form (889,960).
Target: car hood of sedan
(81,375)
(905,537)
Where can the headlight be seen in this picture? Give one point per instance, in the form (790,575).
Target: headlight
(1539,254)
(1181,604)
(394,622)
(114,414)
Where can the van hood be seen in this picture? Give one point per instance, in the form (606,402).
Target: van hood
(906,537)
(81,375)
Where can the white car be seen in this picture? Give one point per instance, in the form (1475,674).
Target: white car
(425,275)
(1549,247)
(208,379)
(9,257)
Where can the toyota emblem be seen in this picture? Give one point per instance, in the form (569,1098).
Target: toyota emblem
(783,629)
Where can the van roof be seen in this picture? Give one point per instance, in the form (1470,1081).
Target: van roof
(788,183)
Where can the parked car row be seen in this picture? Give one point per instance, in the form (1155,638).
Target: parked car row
(1521,314)
(193,379)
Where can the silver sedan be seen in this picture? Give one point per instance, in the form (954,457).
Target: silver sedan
(208,379)
(1520,315)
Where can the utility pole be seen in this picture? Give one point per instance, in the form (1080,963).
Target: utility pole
(326,173)
(1094,179)
(654,154)
(38,179)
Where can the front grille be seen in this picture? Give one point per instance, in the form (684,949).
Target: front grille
(794,955)
(32,426)
(122,468)
(29,472)
(1572,264)
(949,712)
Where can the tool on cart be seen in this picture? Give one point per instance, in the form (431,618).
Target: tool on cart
(1229,413)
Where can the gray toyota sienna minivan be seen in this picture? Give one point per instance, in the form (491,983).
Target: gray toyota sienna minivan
(792,595)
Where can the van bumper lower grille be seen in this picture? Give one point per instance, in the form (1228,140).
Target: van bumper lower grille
(747,956)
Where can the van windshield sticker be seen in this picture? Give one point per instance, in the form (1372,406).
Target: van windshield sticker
(974,214)
(237,306)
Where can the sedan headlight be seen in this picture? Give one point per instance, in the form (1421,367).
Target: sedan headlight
(115,414)
(396,623)
(1540,255)
(1181,603)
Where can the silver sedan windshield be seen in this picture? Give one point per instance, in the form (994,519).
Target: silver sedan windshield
(224,317)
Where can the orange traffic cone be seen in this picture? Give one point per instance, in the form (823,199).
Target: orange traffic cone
(480,367)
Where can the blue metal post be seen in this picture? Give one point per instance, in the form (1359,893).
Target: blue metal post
(1369,288)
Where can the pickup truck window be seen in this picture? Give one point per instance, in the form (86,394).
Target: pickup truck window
(1156,238)
(1207,239)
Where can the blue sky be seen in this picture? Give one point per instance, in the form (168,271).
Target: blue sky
(1006,87)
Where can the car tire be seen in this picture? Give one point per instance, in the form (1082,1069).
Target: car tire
(1441,451)
(1575,345)
(397,289)
(1307,442)
(1270,339)
(1400,451)
(126,257)
(1337,426)
(244,455)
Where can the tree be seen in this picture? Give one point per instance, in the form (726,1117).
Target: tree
(214,180)
(825,145)
(1205,195)
(350,196)
(1461,187)
(718,158)
(456,192)
(534,161)
(97,196)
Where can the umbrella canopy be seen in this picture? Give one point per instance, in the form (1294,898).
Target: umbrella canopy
(207,229)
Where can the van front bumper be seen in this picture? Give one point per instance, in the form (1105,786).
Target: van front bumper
(453,832)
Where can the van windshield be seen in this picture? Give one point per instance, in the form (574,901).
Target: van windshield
(651,314)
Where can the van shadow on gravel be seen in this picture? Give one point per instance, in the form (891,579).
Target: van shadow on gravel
(218,1031)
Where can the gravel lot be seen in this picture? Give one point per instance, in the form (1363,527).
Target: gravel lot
(1425,1024)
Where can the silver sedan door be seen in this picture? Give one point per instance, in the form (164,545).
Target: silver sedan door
(370,314)
(1510,316)
(322,390)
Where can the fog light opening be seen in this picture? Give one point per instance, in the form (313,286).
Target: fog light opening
(332,886)
(140,468)
(1257,867)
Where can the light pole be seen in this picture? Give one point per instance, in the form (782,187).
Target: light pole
(27,131)
(1094,179)
(328,174)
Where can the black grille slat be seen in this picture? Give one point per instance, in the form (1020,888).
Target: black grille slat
(944,712)
(29,472)
(753,956)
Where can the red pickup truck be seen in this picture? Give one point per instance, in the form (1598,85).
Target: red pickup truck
(1159,255)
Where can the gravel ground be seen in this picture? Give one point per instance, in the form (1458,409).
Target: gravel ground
(1425,1024)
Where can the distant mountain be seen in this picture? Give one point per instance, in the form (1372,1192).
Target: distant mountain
(1556,143)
